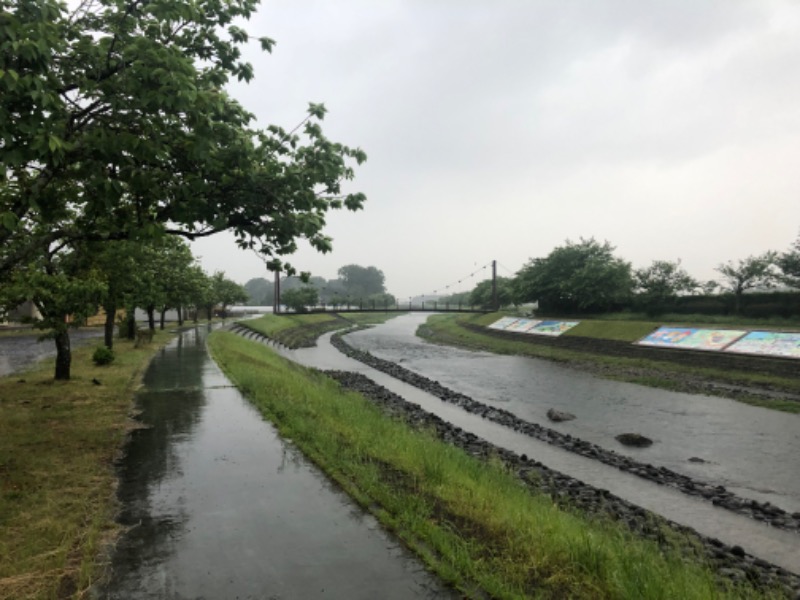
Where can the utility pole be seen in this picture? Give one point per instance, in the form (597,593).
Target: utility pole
(495,305)
(276,301)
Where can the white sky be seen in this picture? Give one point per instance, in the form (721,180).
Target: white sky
(497,130)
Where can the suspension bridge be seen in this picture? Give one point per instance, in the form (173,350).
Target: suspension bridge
(419,303)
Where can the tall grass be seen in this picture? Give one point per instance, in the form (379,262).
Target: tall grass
(471,520)
(58,441)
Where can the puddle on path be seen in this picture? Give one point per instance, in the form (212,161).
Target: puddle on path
(221,507)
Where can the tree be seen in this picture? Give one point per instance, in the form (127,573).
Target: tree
(360,282)
(64,291)
(658,285)
(114,125)
(789,264)
(748,273)
(226,292)
(482,294)
(259,291)
(576,277)
(301,298)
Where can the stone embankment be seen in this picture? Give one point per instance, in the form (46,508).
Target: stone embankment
(730,563)
(718,495)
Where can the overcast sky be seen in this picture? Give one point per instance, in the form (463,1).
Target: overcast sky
(497,130)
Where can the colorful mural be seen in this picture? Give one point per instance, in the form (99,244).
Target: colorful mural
(692,338)
(503,323)
(667,336)
(533,326)
(711,339)
(552,327)
(522,325)
(768,343)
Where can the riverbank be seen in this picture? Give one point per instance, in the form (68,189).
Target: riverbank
(470,518)
(297,330)
(605,348)
(58,443)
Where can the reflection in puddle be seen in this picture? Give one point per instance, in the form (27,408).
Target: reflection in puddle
(220,507)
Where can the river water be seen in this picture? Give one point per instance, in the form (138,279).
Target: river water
(220,506)
(752,451)
(476,373)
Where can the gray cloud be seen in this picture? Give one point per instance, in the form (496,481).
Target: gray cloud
(498,130)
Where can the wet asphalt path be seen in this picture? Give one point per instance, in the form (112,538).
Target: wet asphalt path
(219,506)
(20,352)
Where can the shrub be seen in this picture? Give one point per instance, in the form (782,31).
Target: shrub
(103,356)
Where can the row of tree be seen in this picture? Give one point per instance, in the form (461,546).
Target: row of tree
(116,135)
(69,285)
(355,284)
(586,277)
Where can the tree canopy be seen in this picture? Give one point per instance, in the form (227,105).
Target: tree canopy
(361,282)
(789,264)
(583,276)
(658,285)
(114,123)
(748,273)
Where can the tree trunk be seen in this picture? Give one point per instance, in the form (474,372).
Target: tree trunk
(163,314)
(131,318)
(209,311)
(108,328)
(63,355)
(180,316)
(151,317)
(196,314)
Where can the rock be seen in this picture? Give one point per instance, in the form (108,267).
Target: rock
(634,439)
(696,459)
(558,416)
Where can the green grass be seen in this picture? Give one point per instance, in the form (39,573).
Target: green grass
(58,441)
(295,330)
(626,331)
(471,520)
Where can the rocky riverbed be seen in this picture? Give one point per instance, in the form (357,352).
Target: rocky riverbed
(730,563)
(718,495)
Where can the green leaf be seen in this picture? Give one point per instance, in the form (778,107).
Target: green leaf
(317,110)
(267,44)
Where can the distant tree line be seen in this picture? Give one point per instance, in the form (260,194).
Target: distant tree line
(354,285)
(586,277)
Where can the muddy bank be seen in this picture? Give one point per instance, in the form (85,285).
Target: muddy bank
(730,563)
(718,495)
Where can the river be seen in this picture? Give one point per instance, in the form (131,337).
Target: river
(514,384)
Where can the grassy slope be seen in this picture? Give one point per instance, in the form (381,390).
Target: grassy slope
(58,441)
(299,329)
(470,520)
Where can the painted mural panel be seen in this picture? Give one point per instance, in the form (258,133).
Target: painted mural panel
(711,339)
(522,325)
(503,323)
(553,328)
(667,336)
(768,343)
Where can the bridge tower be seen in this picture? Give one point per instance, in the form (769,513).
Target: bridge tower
(495,303)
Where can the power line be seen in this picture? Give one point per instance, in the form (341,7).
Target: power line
(447,287)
